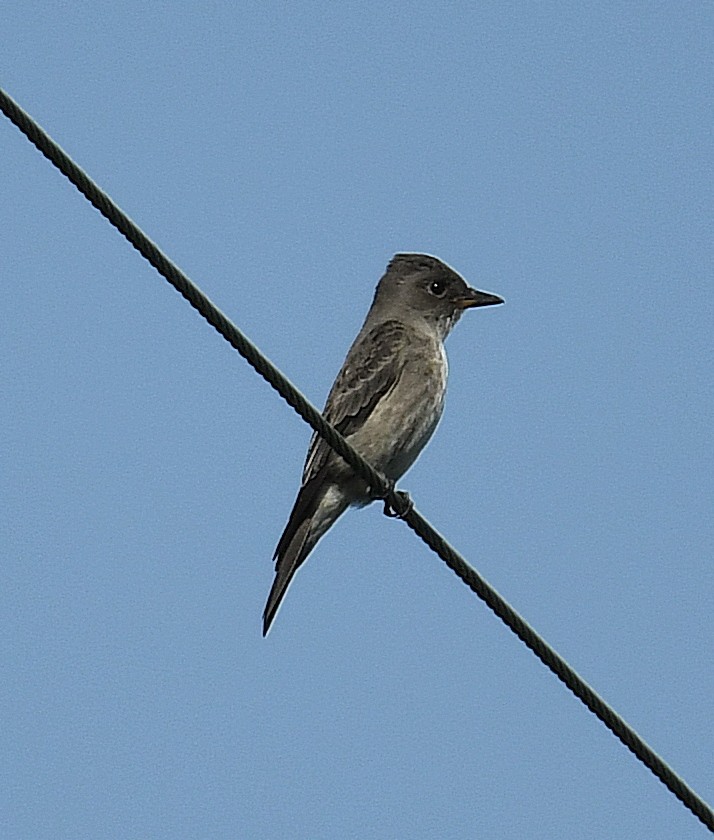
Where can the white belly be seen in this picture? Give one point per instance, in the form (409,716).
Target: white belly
(405,419)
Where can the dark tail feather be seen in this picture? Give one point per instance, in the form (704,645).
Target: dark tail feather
(293,547)
(290,558)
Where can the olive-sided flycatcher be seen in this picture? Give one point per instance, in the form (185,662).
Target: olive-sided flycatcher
(386,401)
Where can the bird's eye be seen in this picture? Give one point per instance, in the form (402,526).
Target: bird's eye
(437,288)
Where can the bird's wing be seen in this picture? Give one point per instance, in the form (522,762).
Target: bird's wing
(370,371)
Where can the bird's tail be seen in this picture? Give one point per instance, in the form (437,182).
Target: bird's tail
(288,562)
(316,509)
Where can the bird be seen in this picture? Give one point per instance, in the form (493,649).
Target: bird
(386,401)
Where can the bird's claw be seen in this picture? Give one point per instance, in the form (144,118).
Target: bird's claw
(402,509)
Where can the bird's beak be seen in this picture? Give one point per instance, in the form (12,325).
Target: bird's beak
(472,297)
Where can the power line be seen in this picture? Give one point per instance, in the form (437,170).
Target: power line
(394,500)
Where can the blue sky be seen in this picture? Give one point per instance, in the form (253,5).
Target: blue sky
(557,154)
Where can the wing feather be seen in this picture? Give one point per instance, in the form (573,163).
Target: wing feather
(371,370)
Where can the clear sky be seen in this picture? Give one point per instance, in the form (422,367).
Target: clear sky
(558,154)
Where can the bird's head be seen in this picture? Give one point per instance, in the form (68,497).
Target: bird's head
(421,285)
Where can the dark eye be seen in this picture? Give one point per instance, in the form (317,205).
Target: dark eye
(437,288)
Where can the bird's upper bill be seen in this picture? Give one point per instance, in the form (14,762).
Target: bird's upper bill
(472,297)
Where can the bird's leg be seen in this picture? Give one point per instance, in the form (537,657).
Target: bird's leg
(404,505)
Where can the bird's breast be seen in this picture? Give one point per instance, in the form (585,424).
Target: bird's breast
(404,420)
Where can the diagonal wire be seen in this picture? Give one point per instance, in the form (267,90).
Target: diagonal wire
(380,486)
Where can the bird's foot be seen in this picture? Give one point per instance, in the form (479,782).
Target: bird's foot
(404,503)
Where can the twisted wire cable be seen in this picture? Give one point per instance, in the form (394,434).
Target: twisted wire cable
(395,500)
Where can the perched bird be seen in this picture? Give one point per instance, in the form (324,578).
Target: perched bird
(386,401)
